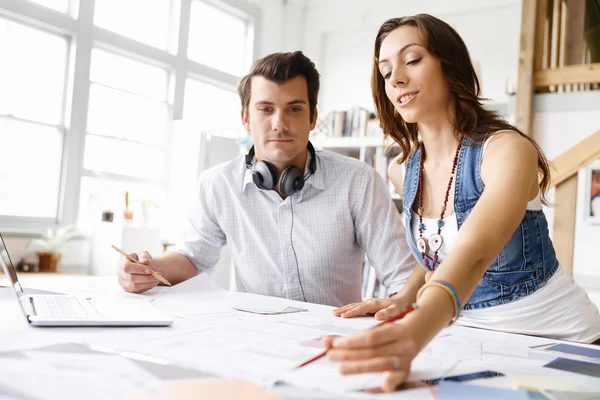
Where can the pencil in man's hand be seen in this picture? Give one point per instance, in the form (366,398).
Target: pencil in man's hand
(155,274)
(402,314)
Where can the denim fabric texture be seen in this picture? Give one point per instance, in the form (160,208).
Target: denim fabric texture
(527,261)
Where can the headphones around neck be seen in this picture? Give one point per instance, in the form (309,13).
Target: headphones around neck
(264,174)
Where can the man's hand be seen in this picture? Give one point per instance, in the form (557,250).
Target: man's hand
(136,278)
(382,308)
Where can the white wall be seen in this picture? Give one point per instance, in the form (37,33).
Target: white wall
(339,37)
(282,25)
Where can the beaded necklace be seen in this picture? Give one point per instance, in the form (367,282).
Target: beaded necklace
(435,240)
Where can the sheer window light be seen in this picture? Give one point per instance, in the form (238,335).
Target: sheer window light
(146,21)
(32,73)
(58,5)
(218,39)
(213,109)
(32,78)
(127,117)
(29,174)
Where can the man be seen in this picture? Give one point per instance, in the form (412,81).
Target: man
(298,221)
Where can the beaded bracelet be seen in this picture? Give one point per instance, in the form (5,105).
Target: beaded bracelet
(450,290)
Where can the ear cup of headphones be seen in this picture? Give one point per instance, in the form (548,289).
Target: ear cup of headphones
(291,181)
(264,175)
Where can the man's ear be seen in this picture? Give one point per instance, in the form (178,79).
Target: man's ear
(245,121)
(313,123)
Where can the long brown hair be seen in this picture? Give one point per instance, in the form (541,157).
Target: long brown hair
(471,119)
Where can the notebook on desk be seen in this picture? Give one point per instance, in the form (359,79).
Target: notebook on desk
(65,310)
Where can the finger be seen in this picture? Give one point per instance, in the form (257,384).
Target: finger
(393,379)
(137,279)
(144,257)
(143,287)
(388,312)
(131,268)
(327,341)
(340,310)
(402,348)
(134,256)
(369,307)
(379,364)
(128,286)
(377,336)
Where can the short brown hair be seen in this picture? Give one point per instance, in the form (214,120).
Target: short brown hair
(471,118)
(281,67)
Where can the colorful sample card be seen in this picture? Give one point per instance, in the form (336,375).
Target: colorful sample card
(576,366)
(462,391)
(465,377)
(571,351)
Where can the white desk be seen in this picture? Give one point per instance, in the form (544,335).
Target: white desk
(207,338)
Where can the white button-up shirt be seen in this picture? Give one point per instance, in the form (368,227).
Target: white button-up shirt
(311,244)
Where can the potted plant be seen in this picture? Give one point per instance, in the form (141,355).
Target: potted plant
(49,247)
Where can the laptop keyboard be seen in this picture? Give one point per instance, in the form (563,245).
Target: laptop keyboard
(64,307)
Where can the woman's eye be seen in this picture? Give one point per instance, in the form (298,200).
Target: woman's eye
(387,75)
(413,62)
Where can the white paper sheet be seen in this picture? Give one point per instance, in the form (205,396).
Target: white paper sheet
(75,376)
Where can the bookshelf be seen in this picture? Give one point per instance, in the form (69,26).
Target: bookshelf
(356,133)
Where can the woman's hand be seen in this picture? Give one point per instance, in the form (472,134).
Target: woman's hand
(382,308)
(388,348)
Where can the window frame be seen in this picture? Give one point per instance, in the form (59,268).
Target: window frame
(78,27)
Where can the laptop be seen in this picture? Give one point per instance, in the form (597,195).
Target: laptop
(65,310)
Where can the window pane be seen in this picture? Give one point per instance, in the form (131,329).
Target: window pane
(127,74)
(30,165)
(122,157)
(98,195)
(211,108)
(58,5)
(32,73)
(123,115)
(228,53)
(141,20)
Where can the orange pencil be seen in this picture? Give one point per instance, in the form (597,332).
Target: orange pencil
(402,314)
(155,274)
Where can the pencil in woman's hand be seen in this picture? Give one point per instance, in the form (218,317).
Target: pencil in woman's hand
(401,315)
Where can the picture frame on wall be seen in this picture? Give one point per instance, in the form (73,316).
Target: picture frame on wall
(592,193)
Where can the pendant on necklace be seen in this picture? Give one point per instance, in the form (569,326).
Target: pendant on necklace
(422,245)
(436,241)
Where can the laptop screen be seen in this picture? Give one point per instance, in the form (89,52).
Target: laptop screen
(9,269)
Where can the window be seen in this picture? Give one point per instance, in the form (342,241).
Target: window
(100,194)
(31,112)
(218,39)
(127,124)
(142,20)
(58,5)
(127,118)
(32,81)
(87,100)
(211,108)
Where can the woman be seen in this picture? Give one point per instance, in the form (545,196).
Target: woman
(473,192)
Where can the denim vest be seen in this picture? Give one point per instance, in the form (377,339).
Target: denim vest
(526,262)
